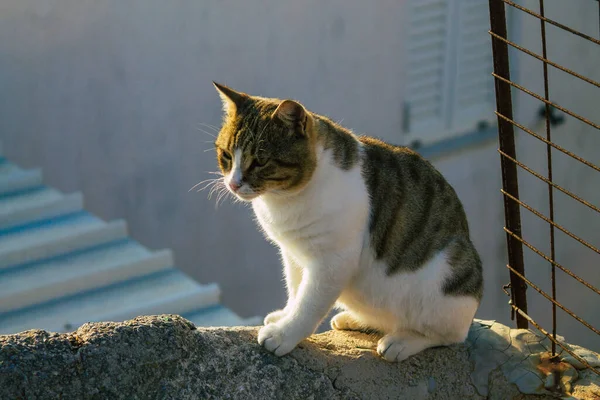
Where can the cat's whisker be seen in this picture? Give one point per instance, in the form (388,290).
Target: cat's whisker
(215,189)
(198,184)
(211,149)
(209,184)
(218,183)
(209,126)
(202,182)
(206,132)
(220,196)
(220,175)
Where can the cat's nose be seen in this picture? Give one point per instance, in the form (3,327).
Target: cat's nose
(235,186)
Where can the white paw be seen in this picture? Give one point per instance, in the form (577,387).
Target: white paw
(274,317)
(394,349)
(344,322)
(277,339)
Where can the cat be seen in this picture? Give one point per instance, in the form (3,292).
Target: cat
(370,228)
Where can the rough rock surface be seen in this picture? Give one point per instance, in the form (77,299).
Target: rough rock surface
(166,357)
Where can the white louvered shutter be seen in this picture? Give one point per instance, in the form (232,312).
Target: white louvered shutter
(473,97)
(427,52)
(449,89)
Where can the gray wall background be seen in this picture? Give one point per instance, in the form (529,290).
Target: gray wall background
(110,98)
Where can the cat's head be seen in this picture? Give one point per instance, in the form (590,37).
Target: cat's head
(265,145)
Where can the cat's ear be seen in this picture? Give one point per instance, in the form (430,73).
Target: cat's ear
(292,114)
(231,99)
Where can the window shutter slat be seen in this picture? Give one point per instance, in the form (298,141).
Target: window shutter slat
(473,90)
(427,44)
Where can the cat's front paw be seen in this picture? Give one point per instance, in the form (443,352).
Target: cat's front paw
(274,317)
(277,339)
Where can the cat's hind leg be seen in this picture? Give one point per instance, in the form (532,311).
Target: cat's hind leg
(445,324)
(345,321)
(401,345)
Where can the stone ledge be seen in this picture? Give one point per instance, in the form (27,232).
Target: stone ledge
(166,357)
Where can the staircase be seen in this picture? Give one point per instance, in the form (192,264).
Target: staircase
(61,266)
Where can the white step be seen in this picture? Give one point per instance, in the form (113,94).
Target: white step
(253,321)
(13,179)
(16,203)
(161,293)
(56,238)
(37,205)
(7,168)
(78,272)
(215,316)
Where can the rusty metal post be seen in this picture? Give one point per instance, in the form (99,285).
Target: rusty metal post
(506,137)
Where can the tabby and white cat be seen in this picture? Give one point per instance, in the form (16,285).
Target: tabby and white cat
(368,227)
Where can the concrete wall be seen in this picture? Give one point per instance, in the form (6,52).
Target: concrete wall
(111,97)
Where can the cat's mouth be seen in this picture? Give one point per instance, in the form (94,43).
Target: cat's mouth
(245,195)
(242,191)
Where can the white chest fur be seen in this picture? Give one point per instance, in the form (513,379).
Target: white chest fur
(328,215)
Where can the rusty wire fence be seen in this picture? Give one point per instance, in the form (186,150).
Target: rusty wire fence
(512,166)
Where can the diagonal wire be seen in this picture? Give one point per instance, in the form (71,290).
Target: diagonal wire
(567,232)
(543,139)
(549,336)
(564,269)
(548,20)
(565,191)
(537,96)
(556,303)
(545,60)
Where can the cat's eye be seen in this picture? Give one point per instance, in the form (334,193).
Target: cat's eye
(225,156)
(256,163)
